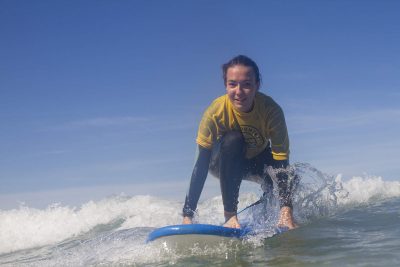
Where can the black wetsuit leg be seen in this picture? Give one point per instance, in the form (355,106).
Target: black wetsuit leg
(228,164)
(256,167)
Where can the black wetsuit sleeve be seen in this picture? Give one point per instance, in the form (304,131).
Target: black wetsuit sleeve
(197,181)
(278,164)
(285,184)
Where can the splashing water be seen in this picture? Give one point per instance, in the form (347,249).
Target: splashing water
(317,194)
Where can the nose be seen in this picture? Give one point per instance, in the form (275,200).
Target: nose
(239,89)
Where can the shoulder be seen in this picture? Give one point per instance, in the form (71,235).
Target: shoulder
(217,105)
(219,100)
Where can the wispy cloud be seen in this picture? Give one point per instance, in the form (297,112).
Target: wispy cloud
(395,94)
(77,196)
(133,164)
(101,122)
(297,75)
(349,142)
(52,152)
(314,123)
(158,124)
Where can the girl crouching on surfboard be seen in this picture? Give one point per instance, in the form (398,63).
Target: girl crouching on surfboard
(241,134)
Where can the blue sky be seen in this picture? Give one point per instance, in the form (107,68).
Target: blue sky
(108,94)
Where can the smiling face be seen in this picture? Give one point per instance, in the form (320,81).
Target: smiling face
(241,87)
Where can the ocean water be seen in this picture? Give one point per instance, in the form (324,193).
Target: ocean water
(341,223)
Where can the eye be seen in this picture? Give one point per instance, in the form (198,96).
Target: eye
(247,84)
(232,84)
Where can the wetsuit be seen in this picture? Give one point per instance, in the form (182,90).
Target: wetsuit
(234,146)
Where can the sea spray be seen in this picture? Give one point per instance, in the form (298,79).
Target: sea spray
(317,194)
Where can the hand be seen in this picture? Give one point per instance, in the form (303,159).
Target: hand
(286,218)
(187,220)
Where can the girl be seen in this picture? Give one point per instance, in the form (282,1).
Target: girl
(241,133)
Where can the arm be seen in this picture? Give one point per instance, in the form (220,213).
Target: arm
(281,170)
(197,181)
(286,181)
(280,153)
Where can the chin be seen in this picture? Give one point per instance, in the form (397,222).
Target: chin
(239,107)
(243,109)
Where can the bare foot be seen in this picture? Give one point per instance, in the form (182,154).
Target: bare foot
(187,220)
(231,220)
(286,218)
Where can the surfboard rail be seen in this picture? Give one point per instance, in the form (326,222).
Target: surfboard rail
(198,229)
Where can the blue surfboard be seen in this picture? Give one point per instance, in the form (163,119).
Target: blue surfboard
(198,229)
(203,235)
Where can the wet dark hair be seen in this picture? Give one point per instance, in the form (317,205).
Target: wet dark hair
(244,61)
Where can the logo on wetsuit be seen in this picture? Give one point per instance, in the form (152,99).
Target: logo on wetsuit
(252,136)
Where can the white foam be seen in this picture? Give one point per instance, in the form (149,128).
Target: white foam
(28,227)
(365,189)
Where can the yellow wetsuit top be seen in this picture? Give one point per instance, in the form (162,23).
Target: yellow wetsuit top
(265,122)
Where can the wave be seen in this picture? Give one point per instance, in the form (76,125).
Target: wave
(29,227)
(317,194)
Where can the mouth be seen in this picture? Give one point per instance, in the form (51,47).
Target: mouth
(241,100)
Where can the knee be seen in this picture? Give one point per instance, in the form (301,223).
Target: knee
(231,146)
(232,142)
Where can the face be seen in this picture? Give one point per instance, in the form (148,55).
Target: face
(241,87)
